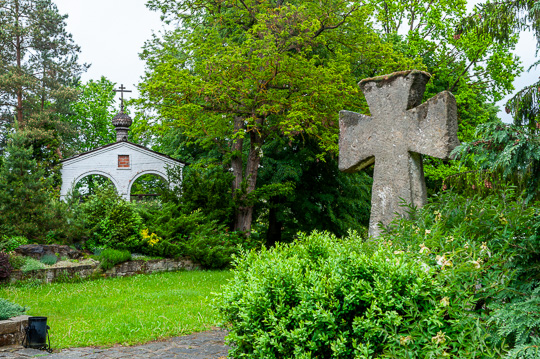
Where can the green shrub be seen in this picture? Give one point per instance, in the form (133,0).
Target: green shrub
(110,257)
(213,249)
(32,264)
(49,259)
(9,244)
(211,252)
(16,261)
(5,266)
(518,323)
(321,297)
(112,222)
(10,310)
(492,242)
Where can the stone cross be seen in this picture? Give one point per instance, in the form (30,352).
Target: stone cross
(395,137)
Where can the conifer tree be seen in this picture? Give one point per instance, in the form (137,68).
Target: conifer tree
(24,199)
(38,68)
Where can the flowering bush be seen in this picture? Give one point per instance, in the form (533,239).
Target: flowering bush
(458,279)
(149,238)
(489,247)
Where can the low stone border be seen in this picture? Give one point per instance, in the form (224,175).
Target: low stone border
(49,275)
(152,266)
(12,330)
(125,269)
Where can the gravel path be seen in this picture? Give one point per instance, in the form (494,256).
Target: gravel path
(205,345)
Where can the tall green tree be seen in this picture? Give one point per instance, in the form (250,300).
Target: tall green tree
(38,68)
(503,21)
(324,198)
(25,201)
(91,116)
(478,70)
(236,74)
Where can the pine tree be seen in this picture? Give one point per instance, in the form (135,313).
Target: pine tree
(38,69)
(24,197)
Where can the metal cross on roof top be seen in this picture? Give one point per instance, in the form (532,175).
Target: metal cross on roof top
(122,90)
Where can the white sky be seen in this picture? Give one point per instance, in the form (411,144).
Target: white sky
(111,34)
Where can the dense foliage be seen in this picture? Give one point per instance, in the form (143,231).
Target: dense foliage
(234,76)
(109,257)
(111,222)
(26,203)
(508,153)
(330,298)
(90,117)
(476,260)
(321,197)
(8,244)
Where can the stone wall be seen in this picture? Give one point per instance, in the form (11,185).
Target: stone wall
(49,275)
(153,266)
(12,330)
(126,269)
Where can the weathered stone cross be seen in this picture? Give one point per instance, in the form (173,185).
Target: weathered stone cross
(394,138)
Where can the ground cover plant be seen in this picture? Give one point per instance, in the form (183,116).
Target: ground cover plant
(9,310)
(31,264)
(123,310)
(108,258)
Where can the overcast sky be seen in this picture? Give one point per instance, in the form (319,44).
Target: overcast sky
(111,34)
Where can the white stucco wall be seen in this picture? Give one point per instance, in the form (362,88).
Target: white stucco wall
(104,161)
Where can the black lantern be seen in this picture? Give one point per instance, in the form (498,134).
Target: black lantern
(37,333)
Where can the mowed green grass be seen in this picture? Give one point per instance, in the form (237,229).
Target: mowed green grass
(123,310)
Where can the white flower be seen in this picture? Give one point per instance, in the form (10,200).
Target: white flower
(477,263)
(443,262)
(445,302)
(423,248)
(439,338)
(404,340)
(428,231)
(484,249)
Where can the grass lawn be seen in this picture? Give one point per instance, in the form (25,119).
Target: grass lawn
(123,310)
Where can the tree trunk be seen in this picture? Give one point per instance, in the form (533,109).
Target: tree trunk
(18,50)
(244,214)
(236,162)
